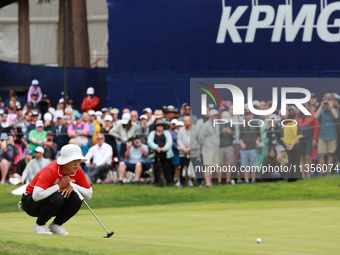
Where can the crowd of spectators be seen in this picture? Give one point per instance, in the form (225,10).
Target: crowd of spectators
(165,145)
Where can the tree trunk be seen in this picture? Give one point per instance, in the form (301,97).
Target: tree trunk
(69,36)
(24,32)
(80,34)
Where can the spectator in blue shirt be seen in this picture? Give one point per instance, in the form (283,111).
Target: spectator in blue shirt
(327,115)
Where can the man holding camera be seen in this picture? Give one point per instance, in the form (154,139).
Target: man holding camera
(50,147)
(137,153)
(327,115)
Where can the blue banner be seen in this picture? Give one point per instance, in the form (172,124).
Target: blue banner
(51,81)
(155,40)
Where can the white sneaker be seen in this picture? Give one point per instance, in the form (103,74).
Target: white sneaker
(178,184)
(190,184)
(20,205)
(58,230)
(41,230)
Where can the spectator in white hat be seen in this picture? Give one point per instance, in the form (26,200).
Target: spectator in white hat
(48,123)
(109,139)
(124,131)
(50,194)
(148,112)
(34,88)
(35,165)
(142,131)
(37,136)
(90,102)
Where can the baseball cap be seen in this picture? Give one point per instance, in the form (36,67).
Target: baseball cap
(273,117)
(126,118)
(99,113)
(39,123)
(179,123)
(143,116)
(39,149)
(104,110)
(147,109)
(90,91)
(69,153)
(185,104)
(48,116)
(114,111)
(35,113)
(35,82)
(78,116)
(50,132)
(28,152)
(213,112)
(108,118)
(174,121)
(91,112)
(45,96)
(59,115)
(35,93)
(61,100)
(3,136)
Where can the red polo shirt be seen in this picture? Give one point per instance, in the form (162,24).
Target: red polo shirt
(51,175)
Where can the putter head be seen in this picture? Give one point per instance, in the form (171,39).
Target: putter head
(108,235)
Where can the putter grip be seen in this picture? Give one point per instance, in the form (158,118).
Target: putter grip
(77,191)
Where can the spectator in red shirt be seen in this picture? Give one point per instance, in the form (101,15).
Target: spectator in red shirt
(90,102)
(310,130)
(49,193)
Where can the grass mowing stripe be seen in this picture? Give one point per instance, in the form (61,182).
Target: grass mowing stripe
(129,195)
(10,247)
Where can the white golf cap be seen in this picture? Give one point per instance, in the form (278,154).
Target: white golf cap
(39,123)
(59,115)
(35,82)
(39,149)
(90,91)
(256,103)
(48,116)
(147,109)
(143,116)
(174,121)
(213,112)
(99,113)
(69,153)
(108,118)
(225,115)
(126,118)
(91,112)
(273,117)
(179,123)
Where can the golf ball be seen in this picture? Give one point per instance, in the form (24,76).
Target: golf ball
(258,240)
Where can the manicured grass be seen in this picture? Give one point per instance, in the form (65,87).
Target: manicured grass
(290,218)
(110,195)
(285,227)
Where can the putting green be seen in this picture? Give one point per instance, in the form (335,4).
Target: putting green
(294,227)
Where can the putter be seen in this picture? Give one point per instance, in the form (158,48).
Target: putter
(108,234)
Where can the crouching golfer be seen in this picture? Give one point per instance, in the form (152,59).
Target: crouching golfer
(49,193)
